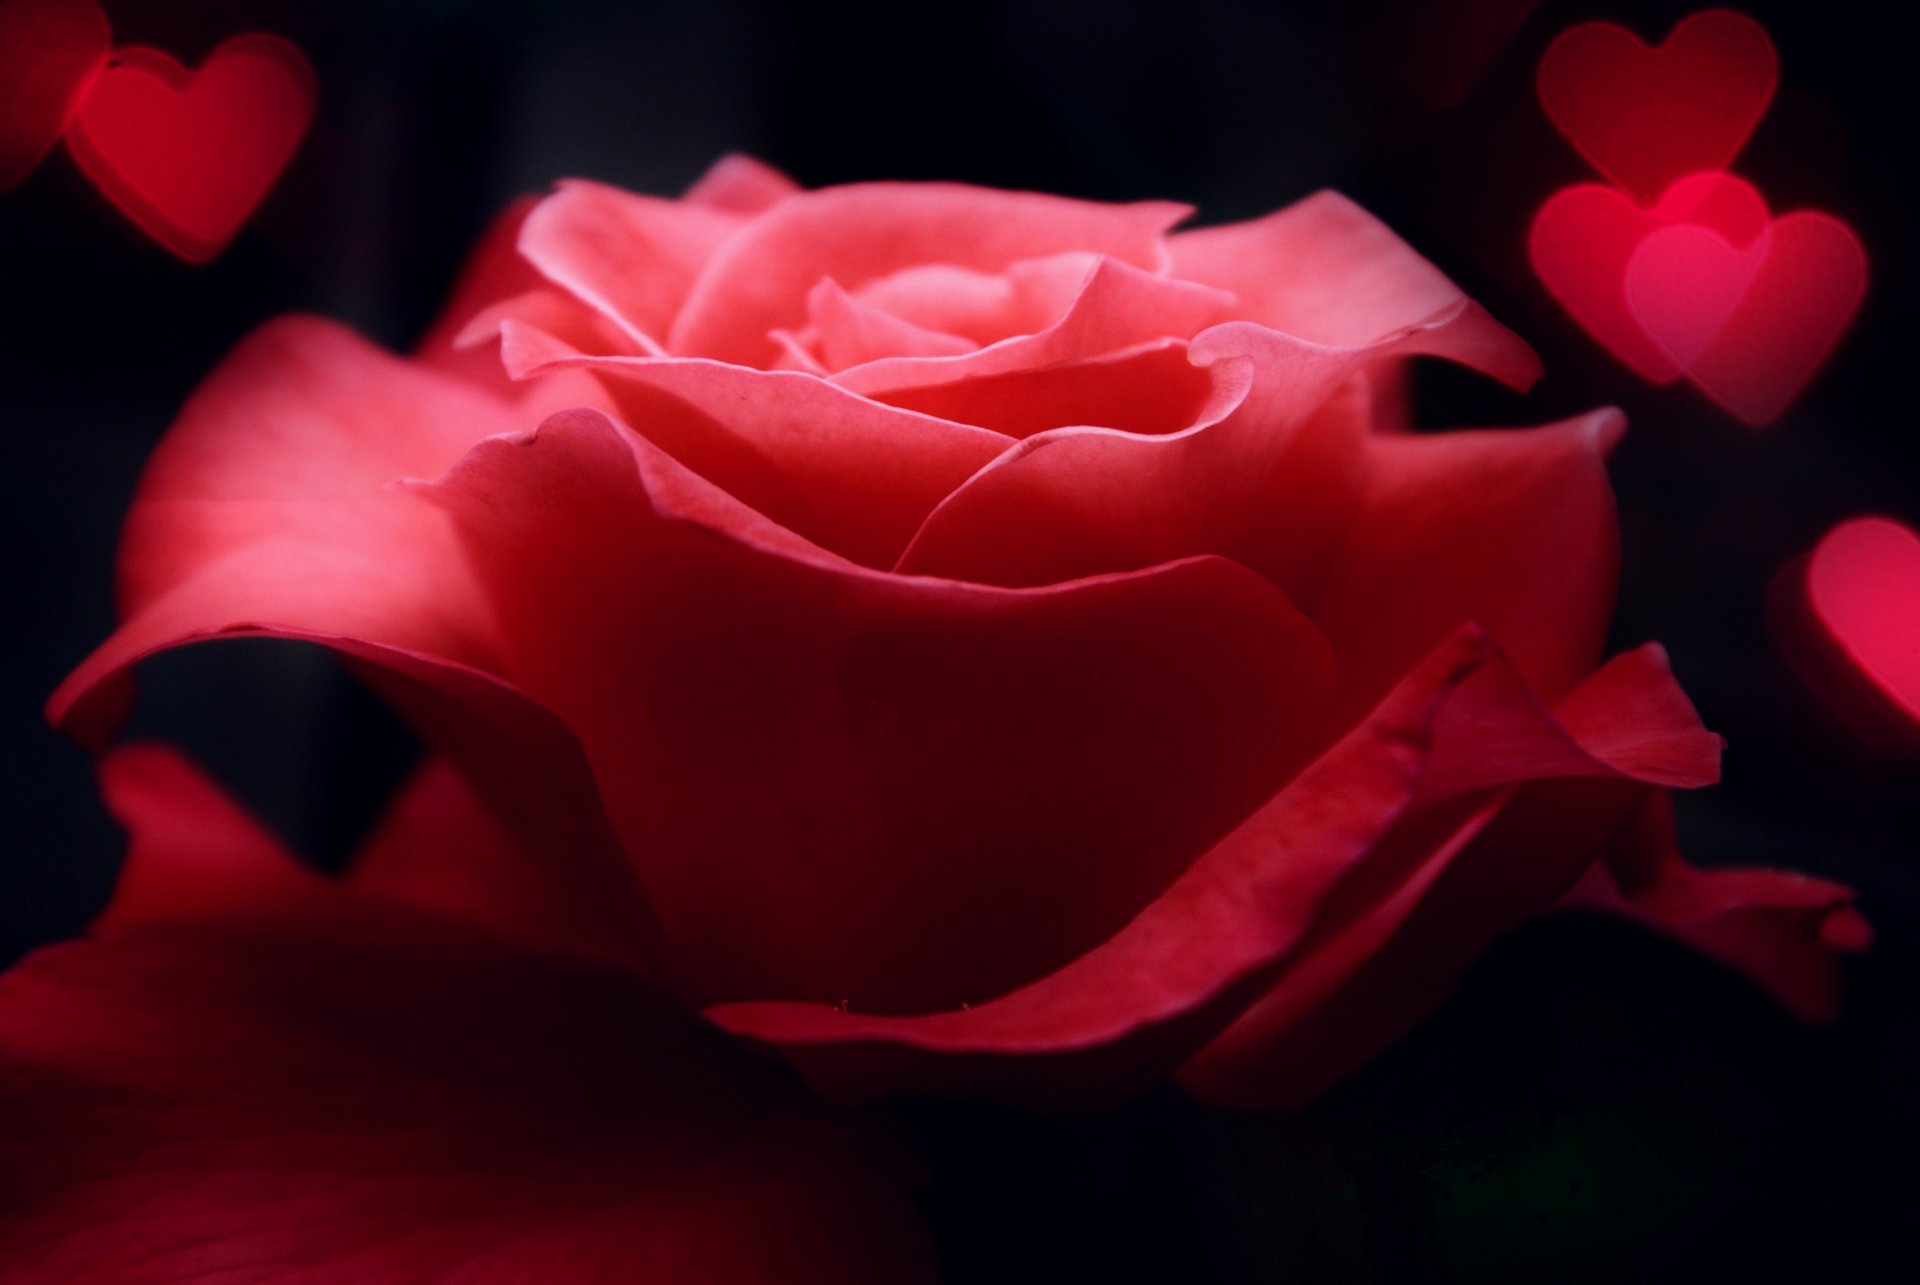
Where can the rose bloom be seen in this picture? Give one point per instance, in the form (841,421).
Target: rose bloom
(967,642)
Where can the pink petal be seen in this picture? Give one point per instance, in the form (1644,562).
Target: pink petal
(1119,306)
(190,851)
(1323,269)
(1783,929)
(846,332)
(744,701)
(551,312)
(439,849)
(1148,388)
(292,437)
(1514,529)
(268,510)
(1245,478)
(493,271)
(740,184)
(333,1090)
(848,473)
(1481,857)
(759,281)
(976,305)
(631,258)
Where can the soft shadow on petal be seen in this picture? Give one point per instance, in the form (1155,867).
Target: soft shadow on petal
(1521,804)
(316,1087)
(1514,529)
(1119,1017)
(908,767)
(1783,929)
(1148,388)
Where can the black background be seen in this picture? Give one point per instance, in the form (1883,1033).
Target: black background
(1593,1104)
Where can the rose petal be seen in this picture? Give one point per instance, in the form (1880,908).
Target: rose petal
(1119,306)
(333,1090)
(758,282)
(1513,529)
(1322,269)
(266,511)
(740,184)
(190,850)
(631,258)
(1484,858)
(848,473)
(438,849)
(1783,929)
(976,305)
(551,312)
(292,437)
(1149,388)
(1246,479)
(748,707)
(846,332)
(1115,1019)
(493,271)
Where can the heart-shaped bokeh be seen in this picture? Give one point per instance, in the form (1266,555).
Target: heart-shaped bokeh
(189,155)
(1645,117)
(1683,283)
(1750,325)
(49,52)
(1863,586)
(1584,237)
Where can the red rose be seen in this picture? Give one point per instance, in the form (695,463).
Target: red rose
(973,642)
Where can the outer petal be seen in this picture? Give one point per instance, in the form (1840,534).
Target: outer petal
(741,184)
(907,767)
(1783,929)
(759,281)
(633,259)
(289,438)
(264,513)
(497,280)
(328,1090)
(1485,856)
(1291,903)
(1513,529)
(1323,269)
(292,437)
(437,848)
(1117,1018)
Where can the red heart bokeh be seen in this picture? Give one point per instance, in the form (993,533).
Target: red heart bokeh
(1584,237)
(1750,326)
(188,156)
(49,51)
(1645,117)
(1863,585)
(1684,282)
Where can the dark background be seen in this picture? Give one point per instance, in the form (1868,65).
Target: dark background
(1593,1104)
